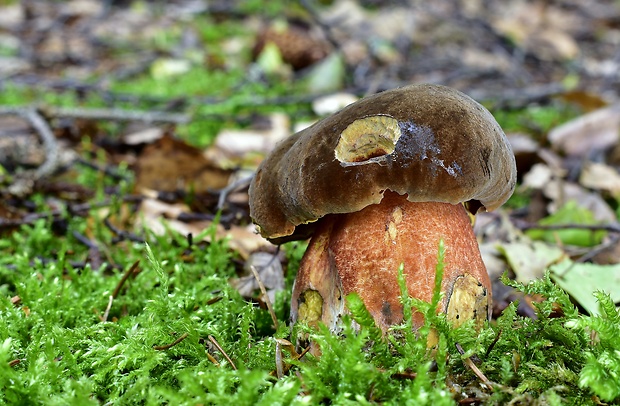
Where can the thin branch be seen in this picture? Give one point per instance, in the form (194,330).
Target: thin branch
(107,170)
(126,276)
(24,183)
(122,234)
(85,240)
(116,115)
(172,344)
(104,318)
(238,184)
(217,345)
(279,362)
(212,359)
(265,296)
(474,368)
(611,227)
(49,142)
(495,340)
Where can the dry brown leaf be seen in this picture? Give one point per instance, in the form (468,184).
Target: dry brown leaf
(144,136)
(599,176)
(529,259)
(159,217)
(525,150)
(597,130)
(560,192)
(246,148)
(269,269)
(170,164)
(585,100)
(538,176)
(539,28)
(300,44)
(332,103)
(552,45)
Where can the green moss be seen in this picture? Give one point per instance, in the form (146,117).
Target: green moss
(68,355)
(535,119)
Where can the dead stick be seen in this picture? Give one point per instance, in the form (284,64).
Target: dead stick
(126,276)
(116,115)
(611,227)
(172,344)
(217,345)
(49,142)
(119,286)
(24,184)
(212,359)
(279,363)
(474,368)
(265,297)
(107,309)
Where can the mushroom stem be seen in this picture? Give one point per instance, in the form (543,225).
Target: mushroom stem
(362,251)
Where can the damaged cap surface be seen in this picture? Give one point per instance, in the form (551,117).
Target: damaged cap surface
(430,142)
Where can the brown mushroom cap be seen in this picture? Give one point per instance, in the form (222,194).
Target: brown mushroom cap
(430,142)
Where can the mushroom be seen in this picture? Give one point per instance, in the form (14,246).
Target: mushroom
(379,184)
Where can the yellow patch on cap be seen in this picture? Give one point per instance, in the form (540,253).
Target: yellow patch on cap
(368,140)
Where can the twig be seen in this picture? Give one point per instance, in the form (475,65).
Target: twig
(49,142)
(116,115)
(597,250)
(122,234)
(57,214)
(474,368)
(126,276)
(217,345)
(172,344)
(212,359)
(279,363)
(238,184)
(611,227)
(265,296)
(109,171)
(119,286)
(104,318)
(495,340)
(24,183)
(85,240)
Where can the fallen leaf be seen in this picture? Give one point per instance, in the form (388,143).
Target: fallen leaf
(170,164)
(168,67)
(529,259)
(581,280)
(539,29)
(595,175)
(561,192)
(570,213)
(269,269)
(587,101)
(327,75)
(143,136)
(594,131)
(160,218)
(552,45)
(538,176)
(297,44)
(240,142)
(332,103)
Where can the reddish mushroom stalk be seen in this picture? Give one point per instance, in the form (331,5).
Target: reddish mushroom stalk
(361,252)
